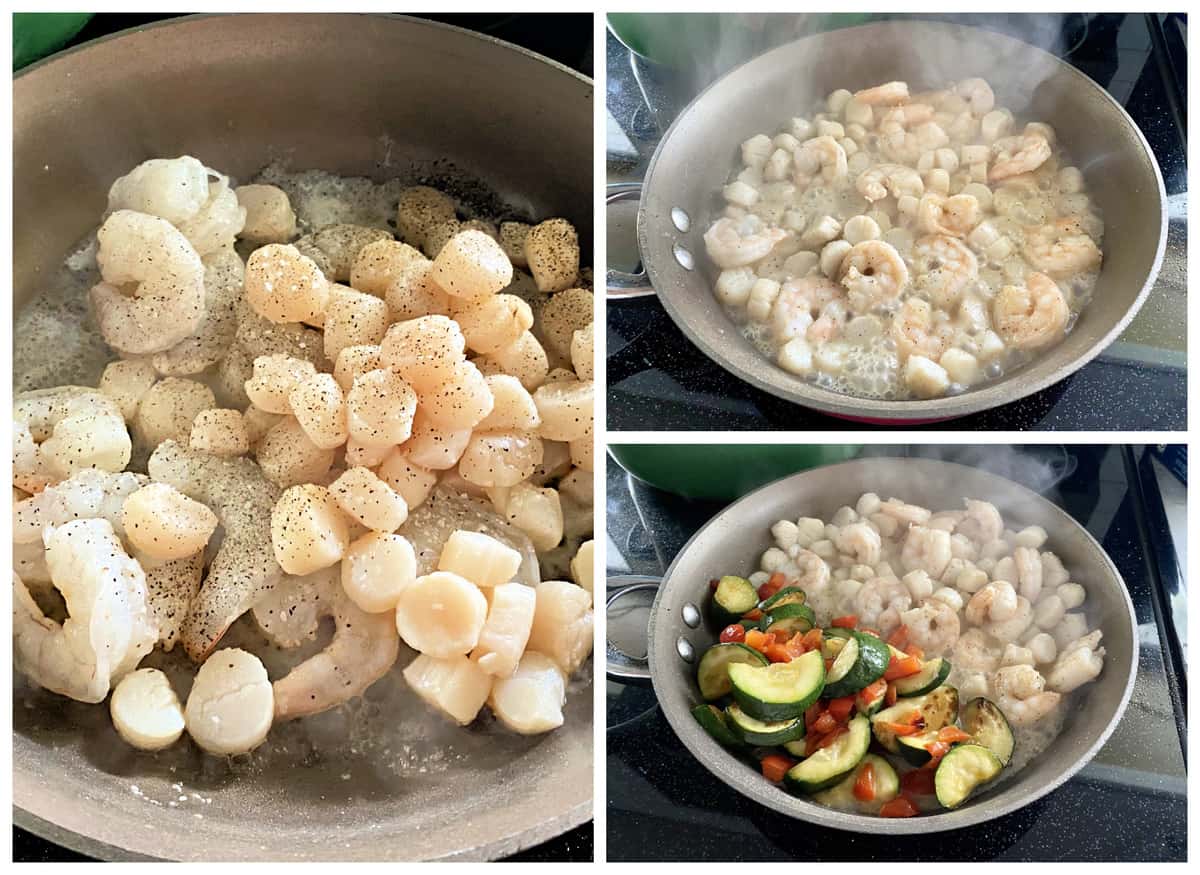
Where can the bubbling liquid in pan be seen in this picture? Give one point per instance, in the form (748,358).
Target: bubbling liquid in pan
(944,244)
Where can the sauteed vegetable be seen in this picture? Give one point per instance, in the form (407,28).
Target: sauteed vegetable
(899,245)
(310,421)
(891,661)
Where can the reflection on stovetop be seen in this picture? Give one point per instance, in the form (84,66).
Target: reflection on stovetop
(658,380)
(1128,804)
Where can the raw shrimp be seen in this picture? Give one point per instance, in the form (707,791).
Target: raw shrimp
(1062,248)
(175,189)
(171,584)
(933,626)
(219,221)
(244,568)
(944,267)
(954,216)
(739,242)
(978,94)
(886,94)
(1031,316)
(873,273)
(1012,156)
(73,428)
(364,646)
(108,629)
(926,550)
(906,514)
(224,274)
(1081,662)
(860,541)
(1020,693)
(982,524)
(914,333)
(88,494)
(996,601)
(820,155)
(894,179)
(973,652)
(152,296)
(798,303)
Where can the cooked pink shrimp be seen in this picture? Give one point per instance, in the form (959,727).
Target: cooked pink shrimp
(944,267)
(1031,316)
(798,303)
(873,273)
(884,179)
(1062,248)
(1015,155)
(914,332)
(954,216)
(820,155)
(887,94)
(739,242)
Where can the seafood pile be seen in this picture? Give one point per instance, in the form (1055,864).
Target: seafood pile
(993,601)
(311,422)
(904,245)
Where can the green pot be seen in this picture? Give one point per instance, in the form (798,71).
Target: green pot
(723,471)
(37,34)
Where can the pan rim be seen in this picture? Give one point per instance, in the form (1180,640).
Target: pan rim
(915,411)
(707,751)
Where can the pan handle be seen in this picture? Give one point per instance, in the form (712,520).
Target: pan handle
(627,614)
(621,284)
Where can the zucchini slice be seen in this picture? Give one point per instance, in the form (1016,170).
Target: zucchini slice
(712,721)
(862,661)
(962,771)
(830,765)
(937,709)
(797,748)
(761,734)
(986,723)
(789,619)
(779,691)
(912,747)
(789,595)
(932,675)
(870,706)
(841,795)
(734,596)
(713,672)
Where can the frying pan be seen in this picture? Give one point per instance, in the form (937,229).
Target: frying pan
(355,95)
(680,193)
(734,540)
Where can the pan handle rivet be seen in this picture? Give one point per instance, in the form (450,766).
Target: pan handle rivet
(685,649)
(691,615)
(684,257)
(681,220)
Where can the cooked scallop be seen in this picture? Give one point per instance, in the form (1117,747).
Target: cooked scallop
(531,701)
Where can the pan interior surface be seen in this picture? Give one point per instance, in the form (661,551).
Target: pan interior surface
(696,155)
(732,543)
(377,96)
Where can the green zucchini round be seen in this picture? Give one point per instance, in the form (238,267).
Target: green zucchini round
(983,720)
(759,733)
(830,765)
(712,721)
(869,663)
(789,619)
(712,675)
(733,597)
(789,595)
(962,771)
(779,691)
(932,675)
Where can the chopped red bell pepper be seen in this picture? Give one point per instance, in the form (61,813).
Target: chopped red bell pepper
(952,735)
(825,723)
(937,750)
(755,614)
(733,633)
(847,622)
(864,784)
(918,782)
(775,766)
(759,640)
(773,585)
(815,710)
(890,699)
(902,668)
(898,807)
(795,645)
(914,650)
(899,728)
(871,692)
(831,737)
(778,653)
(899,638)
(813,639)
(840,709)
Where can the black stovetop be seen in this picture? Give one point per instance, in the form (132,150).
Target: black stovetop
(565,38)
(657,380)
(1129,803)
